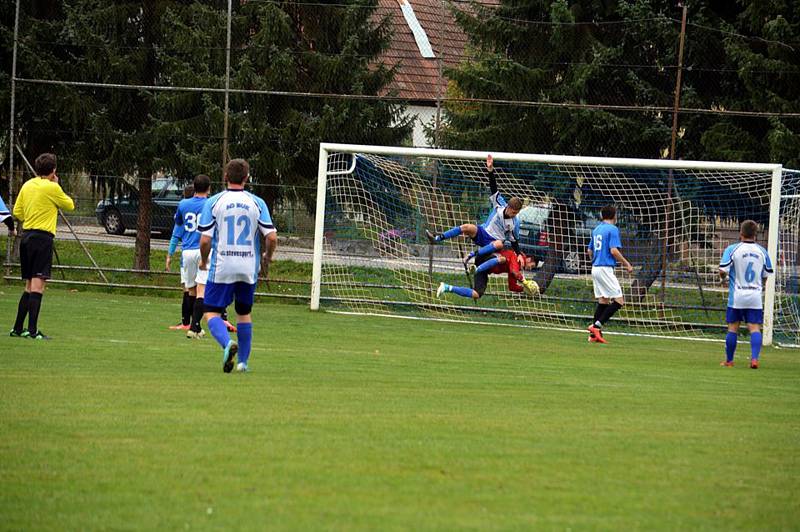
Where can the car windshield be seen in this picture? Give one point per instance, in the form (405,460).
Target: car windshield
(166,186)
(534,214)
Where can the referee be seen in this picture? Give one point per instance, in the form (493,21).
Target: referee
(37,207)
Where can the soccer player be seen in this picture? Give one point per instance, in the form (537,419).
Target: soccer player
(506,261)
(232,224)
(604,249)
(187,217)
(187,304)
(37,207)
(744,266)
(5,217)
(500,227)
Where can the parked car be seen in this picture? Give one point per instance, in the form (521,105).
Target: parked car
(536,240)
(119,213)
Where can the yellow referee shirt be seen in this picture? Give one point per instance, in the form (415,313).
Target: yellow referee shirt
(38,202)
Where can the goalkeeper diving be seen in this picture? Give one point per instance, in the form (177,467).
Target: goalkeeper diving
(499,231)
(506,261)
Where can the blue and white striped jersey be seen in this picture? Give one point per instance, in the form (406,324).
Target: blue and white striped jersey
(187,218)
(496,225)
(747,265)
(233,220)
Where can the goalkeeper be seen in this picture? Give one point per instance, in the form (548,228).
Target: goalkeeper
(506,261)
(499,231)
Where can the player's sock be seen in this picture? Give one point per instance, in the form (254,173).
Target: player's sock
(608,312)
(599,310)
(462,291)
(755,345)
(450,233)
(186,310)
(244,335)
(190,301)
(22,311)
(224,315)
(197,314)
(730,345)
(34,305)
(485,250)
(219,331)
(488,265)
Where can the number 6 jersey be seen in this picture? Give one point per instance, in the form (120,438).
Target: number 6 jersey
(233,220)
(747,264)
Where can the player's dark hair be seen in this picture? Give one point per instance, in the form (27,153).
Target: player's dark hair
(608,212)
(749,229)
(202,183)
(515,203)
(236,171)
(188,191)
(45,164)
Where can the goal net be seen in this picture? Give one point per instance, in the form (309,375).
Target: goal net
(675,219)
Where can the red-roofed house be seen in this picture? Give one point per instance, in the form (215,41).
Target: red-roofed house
(426,40)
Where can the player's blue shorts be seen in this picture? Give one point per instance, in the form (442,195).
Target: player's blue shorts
(748,315)
(483,238)
(220,295)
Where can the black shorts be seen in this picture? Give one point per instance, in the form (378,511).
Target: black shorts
(36,254)
(481,278)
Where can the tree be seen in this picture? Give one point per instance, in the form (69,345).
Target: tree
(135,132)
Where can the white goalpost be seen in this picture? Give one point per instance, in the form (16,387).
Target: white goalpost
(374,204)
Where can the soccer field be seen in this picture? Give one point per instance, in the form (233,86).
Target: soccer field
(348,422)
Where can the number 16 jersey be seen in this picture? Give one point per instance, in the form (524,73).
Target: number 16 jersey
(747,265)
(233,220)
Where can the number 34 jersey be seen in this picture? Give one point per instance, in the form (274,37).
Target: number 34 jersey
(233,220)
(747,264)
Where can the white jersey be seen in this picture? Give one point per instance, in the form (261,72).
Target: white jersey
(747,264)
(233,220)
(497,225)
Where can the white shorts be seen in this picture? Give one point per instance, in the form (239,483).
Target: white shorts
(191,274)
(605,282)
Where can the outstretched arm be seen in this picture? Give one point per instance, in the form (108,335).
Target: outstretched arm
(490,174)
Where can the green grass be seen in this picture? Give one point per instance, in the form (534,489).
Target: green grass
(349,422)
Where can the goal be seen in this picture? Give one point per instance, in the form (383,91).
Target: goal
(374,204)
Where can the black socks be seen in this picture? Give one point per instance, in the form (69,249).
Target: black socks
(22,311)
(34,304)
(186,309)
(599,310)
(197,314)
(608,312)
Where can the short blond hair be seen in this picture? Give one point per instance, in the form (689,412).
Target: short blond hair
(515,203)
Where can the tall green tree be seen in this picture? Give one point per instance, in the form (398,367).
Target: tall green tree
(277,46)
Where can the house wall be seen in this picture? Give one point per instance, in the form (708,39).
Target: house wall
(423,116)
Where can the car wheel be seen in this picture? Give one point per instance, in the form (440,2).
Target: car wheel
(572,262)
(112,221)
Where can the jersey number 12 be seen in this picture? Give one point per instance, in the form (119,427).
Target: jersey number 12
(231,222)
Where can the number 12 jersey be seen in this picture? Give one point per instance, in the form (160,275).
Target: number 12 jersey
(233,220)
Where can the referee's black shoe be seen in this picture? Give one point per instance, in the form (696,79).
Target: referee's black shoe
(38,336)
(18,334)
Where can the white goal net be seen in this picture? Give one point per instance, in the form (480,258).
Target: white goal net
(675,218)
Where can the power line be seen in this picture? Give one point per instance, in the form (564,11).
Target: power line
(376,98)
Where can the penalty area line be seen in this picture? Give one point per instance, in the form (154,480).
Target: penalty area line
(520,326)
